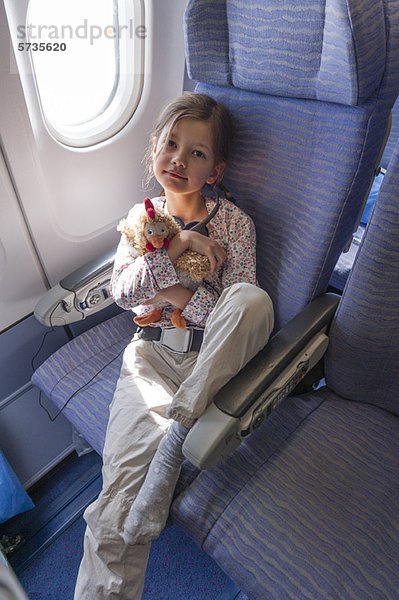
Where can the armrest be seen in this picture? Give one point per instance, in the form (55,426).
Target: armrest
(79,295)
(249,397)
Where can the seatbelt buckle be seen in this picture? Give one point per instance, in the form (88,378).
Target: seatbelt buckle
(178,341)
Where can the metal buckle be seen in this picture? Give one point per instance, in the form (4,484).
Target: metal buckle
(176,340)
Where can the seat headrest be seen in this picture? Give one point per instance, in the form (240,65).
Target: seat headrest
(330,50)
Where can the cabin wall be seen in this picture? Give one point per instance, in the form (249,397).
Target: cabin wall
(59,209)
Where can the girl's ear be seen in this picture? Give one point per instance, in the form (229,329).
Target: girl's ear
(154,146)
(217,173)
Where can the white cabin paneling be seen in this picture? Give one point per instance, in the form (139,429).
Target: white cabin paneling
(32,442)
(73,198)
(21,281)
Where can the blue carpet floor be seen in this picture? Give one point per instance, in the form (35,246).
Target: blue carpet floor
(177,570)
(47,563)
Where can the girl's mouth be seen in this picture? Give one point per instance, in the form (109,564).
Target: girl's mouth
(176,175)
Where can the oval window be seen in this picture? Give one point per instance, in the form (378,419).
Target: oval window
(88,63)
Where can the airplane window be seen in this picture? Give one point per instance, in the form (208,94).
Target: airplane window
(87,58)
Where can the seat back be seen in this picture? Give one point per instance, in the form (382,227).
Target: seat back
(310,86)
(345,262)
(393,136)
(362,361)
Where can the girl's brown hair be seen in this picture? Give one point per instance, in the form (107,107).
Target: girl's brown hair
(196,106)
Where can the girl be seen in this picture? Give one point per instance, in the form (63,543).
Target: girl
(163,382)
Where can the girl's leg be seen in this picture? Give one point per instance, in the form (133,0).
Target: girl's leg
(150,509)
(149,377)
(236,330)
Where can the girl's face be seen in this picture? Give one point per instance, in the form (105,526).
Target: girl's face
(185,161)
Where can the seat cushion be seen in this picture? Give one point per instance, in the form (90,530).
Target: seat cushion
(80,378)
(307,507)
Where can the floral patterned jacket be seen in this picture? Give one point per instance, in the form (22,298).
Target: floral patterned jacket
(136,279)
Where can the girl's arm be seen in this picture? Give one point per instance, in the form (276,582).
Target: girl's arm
(239,266)
(137,279)
(178,295)
(142,280)
(192,240)
(152,277)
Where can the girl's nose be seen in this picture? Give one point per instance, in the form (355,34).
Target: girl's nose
(179,159)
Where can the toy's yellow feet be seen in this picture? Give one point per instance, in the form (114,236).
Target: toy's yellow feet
(151,317)
(177,320)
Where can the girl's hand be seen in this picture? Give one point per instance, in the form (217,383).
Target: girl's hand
(192,240)
(209,248)
(177,295)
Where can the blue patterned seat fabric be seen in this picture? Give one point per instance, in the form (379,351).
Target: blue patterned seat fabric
(316,49)
(80,378)
(345,262)
(307,508)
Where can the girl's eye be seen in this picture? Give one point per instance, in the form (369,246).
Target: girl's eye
(199,154)
(171,144)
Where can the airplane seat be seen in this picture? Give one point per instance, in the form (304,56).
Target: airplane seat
(80,378)
(345,262)
(307,507)
(311,97)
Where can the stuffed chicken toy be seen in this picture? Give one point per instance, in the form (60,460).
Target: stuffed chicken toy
(153,230)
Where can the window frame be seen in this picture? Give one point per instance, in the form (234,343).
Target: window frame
(126,92)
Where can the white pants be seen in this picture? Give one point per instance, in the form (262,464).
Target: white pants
(151,376)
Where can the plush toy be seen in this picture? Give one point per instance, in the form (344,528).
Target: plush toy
(153,230)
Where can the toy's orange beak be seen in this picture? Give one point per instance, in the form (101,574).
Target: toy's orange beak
(157,240)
